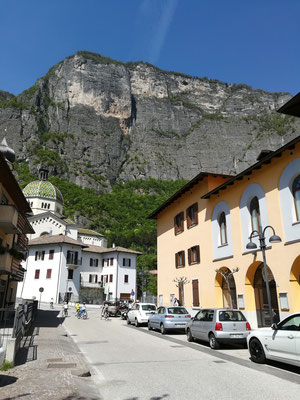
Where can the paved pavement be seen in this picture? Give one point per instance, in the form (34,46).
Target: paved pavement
(48,365)
(128,363)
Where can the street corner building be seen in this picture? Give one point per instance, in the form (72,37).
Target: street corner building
(234,241)
(67,262)
(14,226)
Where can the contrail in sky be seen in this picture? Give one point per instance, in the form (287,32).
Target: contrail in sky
(161,20)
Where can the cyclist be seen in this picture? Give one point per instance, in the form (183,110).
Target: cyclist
(83,309)
(77,308)
(105,311)
(65,309)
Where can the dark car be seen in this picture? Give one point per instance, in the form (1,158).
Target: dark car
(115,308)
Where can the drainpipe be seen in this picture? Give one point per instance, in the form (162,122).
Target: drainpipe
(117,275)
(59,270)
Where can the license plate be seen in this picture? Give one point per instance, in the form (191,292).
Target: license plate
(236,336)
(179,324)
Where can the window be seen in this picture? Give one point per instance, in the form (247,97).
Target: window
(72,257)
(192,215)
(223,230)
(125,278)
(94,262)
(194,255)
(111,261)
(126,262)
(49,273)
(110,278)
(70,274)
(39,255)
(37,274)
(296,194)
(178,223)
(93,278)
(179,259)
(255,214)
(51,254)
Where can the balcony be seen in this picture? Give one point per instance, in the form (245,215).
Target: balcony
(73,263)
(9,217)
(85,284)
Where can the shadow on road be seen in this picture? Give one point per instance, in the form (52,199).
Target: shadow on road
(7,380)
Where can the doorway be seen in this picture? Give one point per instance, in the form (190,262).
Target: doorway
(261,299)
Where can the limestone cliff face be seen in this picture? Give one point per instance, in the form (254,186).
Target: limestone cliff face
(96,121)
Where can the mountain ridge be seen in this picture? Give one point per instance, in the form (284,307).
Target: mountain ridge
(98,121)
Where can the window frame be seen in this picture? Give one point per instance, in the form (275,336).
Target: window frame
(179,219)
(180,259)
(49,273)
(192,215)
(222,222)
(194,250)
(296,189)
(37,274)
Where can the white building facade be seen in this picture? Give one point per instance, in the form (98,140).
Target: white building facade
(68,262)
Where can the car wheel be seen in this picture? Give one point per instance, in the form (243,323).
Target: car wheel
(128,321)
(149,326)
(256,351)
(136,323)
(214,344)
(162,329)
(189,336)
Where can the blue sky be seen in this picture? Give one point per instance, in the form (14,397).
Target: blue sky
(235,41)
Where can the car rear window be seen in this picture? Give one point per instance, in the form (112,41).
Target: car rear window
(230,315)
(148,307)
(177,310)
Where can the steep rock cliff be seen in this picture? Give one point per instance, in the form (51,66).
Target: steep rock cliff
(97,121)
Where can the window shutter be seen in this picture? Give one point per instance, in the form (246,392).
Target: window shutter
(183,259)
(90,278)
(96,278)
(51,254)
(188,217)
(36,255)
(111,261)
(198,253)
(176,260)
(91,262)
(43,255)
(181,221)
(175,226)
(97,262)
(189,256)
(196,213)
(129,262)
(101,278)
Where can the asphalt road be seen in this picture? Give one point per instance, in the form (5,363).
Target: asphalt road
(131,363)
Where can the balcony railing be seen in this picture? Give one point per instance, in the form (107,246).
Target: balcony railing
(85,284)
(73,263)
(9,219)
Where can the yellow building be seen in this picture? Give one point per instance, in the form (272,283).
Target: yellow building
(203,231)
(14,226)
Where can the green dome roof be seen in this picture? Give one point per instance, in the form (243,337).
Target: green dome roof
(43,189)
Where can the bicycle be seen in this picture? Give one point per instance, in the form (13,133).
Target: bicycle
(106,315)
(82,314)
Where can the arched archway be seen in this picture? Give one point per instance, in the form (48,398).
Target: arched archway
(261,299)
(226,284)
(295,284)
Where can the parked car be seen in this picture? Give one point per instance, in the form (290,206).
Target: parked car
(139,313)
(167,318)
(216,326)
(2,353)
(114,308)
(280,342)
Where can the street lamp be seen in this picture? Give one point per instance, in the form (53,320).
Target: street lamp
(262,244)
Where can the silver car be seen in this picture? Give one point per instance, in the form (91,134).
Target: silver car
(167,318)
(221,325)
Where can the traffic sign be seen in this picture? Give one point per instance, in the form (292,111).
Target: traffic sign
(41,289)
(70,289)
(132,292)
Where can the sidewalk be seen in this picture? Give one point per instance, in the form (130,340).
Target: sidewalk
(48,365)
